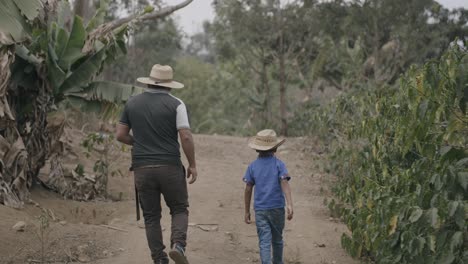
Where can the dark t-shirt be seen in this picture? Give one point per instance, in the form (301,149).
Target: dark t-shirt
(155,117)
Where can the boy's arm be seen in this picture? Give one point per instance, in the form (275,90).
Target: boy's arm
(287,192)
(248,198)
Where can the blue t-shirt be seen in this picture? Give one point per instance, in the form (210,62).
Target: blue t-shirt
(266,174)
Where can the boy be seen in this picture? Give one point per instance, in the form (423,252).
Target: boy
(270,177)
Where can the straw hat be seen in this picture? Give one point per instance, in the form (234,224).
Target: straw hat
(161,75)
(265,140)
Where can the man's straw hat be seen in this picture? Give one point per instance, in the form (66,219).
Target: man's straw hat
(161,75)
(265,140)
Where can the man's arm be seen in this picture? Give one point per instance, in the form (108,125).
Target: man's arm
(287,192)
(122,134)
(188,146)
(248,198)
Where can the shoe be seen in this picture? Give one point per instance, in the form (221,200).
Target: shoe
(177,254)
(162,261)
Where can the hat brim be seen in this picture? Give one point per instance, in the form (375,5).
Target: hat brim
(278,143)
(172,84)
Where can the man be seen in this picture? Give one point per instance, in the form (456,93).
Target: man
(155,117)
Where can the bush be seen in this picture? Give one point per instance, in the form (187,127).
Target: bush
(403,172)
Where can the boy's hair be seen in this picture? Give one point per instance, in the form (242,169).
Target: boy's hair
(267,152)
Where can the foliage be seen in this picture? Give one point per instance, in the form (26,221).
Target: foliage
(103,145)
(265,41)
(403,165)
(151,43)
(215,99)
(14,16)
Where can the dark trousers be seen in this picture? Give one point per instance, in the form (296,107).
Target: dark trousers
(169,181)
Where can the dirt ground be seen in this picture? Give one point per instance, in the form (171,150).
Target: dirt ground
(106,232)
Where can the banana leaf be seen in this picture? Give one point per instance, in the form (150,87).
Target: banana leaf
(83,75)
(13,27)
(110,92)
(72,51)
(30,8)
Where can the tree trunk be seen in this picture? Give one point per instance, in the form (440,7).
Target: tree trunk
(266,88)
(282,73)
(80,8)
(13,180)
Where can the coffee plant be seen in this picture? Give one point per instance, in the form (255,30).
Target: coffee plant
(403,165)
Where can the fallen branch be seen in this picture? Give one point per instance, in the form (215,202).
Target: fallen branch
(114,228)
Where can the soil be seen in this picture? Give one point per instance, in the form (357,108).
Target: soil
(106,231)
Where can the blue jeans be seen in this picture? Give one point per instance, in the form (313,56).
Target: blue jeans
(270,225)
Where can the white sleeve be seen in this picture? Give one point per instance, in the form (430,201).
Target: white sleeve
(182,117)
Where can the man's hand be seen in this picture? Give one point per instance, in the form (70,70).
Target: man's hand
(192,174)
(290,212)
(247,218)
(122,134)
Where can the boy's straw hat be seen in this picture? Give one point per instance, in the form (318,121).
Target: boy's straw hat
(161,75)
(265,140)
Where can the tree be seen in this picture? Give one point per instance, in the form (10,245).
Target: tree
(393,35)
(268,39)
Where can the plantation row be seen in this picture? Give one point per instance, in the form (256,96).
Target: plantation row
(402,164)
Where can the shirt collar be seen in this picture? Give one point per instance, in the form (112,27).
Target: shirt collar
(266,156)
(156,90)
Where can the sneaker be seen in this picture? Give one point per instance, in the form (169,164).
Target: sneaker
(177,254)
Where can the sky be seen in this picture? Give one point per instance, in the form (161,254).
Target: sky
(191,17)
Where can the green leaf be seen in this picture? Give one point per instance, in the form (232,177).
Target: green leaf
(30,8)
(453,205)
(456,241)
(417,245)
(148,9)
(111,92)
(447,258)
(432,243)
(72,52)
(449,153)
(460,217)
(55,73)
(13,26)
(433,217)
(415,215)
(463,179)
(61,41)
(462,162)
(83,75)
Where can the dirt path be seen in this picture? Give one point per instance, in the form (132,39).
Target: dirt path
(217,198)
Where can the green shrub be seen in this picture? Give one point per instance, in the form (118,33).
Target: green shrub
(403,170)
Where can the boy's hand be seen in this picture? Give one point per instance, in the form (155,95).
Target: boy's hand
(290,212)
(247,218)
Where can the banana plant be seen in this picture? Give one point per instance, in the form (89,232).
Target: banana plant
(49,57)
(60,51)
